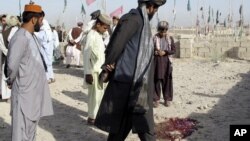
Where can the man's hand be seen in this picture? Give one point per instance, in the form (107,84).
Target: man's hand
(110,67)
(72,42)
(105,74)
(162,53)
(156,52)
(89,79)
(9,86)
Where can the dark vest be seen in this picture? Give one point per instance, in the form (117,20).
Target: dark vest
(125,66)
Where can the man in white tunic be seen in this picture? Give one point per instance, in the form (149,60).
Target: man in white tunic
(26,68)
(73,50)
(3,49)
(45,37)
(93,59)
(12,25)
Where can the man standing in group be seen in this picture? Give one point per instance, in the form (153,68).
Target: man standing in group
(12,26)
(128,100)
(73,50)
(26,69)
(45,38)
(3,48)
(115,22)
(164,47)
(93,59)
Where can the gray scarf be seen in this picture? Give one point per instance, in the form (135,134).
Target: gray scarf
(144,58)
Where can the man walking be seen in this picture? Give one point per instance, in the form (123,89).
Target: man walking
(127,102)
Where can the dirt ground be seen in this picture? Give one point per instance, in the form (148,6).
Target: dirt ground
(216,94)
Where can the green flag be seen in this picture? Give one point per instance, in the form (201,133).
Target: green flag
(209,15)
(83,10)
(188,6)
(217,17)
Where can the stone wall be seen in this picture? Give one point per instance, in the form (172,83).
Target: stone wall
(212,47)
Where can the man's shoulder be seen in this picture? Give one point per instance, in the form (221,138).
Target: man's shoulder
(21,34)
(133,14)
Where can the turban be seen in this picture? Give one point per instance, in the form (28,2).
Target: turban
(156,2)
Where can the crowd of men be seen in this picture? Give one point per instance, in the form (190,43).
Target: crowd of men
(121,57)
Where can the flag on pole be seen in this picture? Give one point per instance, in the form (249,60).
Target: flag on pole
(174,11)
(240,10)
(202,13)
(241,14)
(83,10)
(213,15)
(209,15)
(188,6)
(117,12)
(65,5)
(217,17)
(89,2)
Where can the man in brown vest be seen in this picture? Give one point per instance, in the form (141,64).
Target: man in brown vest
(73,49)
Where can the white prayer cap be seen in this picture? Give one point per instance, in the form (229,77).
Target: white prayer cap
(105,19)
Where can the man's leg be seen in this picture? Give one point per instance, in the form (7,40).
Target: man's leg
(167,88)
(23,129)
(69,55)
(125,128)
(77,54)
(157,93)
(95,95)
(148,136)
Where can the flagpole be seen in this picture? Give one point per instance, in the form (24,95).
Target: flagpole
(241,16)
(105,6)
(197,17)
(20,9)
(230,14)
(174,12)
